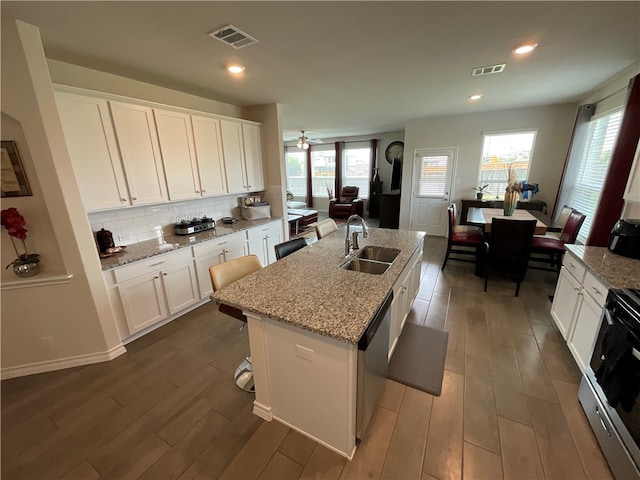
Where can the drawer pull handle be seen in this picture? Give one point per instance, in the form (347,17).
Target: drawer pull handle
(572,265)
(596,291)
(156,264)
(604,425)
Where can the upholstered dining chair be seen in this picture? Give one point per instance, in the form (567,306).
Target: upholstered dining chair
(464,228)
(325,227)
(507,251)
(465,238)
(555,230)
(287,248)
(223,275)
(551,250)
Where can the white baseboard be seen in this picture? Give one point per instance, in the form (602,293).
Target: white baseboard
(61,363)
(262,411)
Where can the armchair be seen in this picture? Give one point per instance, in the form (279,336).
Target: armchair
(347,204)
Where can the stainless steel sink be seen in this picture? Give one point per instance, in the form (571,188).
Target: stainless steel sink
(380,254)
(366,266)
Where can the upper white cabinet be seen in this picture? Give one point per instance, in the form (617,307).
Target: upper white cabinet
(94,151)
(178,154)
(138,142)
(208,145)
(632,192)
(243,156)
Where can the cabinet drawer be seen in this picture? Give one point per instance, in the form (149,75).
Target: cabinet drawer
(153,264)
(595,288)
(214,246)
(574,266)
(258,233)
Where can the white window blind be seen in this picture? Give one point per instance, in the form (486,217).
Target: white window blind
(584,191)
(499,150)
(296,171)
(433,176)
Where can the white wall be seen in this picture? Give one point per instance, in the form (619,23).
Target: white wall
(554,124)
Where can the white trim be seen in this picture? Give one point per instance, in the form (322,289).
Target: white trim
(61,363)
(38,281)
(262,411)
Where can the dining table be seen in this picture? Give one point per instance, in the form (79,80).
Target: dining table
(482,217)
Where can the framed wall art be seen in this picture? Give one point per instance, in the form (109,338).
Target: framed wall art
(13,181)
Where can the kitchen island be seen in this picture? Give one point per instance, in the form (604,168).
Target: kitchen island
(306,315)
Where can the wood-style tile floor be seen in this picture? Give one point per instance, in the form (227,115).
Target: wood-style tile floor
(168,408)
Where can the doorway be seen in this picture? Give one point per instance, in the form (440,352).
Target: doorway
(431,189)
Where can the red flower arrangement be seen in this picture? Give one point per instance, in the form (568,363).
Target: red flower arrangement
(14,223)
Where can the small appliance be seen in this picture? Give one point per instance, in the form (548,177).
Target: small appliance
(104,238)
(189,227)
(625,238)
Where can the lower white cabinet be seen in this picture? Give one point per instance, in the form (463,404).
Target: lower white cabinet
(214,252)
(263,239)
(577,308)
(153,289)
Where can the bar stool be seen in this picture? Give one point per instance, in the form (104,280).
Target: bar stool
(225,274)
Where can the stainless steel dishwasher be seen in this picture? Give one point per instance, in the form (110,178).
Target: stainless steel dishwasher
(373,348)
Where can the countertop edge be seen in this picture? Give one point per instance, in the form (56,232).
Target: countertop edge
(610,268)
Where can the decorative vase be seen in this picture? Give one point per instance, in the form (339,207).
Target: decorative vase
(510,203)
(25,270)
(376,175)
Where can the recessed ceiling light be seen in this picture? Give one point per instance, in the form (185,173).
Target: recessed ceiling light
(527,48)
(475,97)
(235,68)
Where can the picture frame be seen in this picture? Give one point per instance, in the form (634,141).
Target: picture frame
(13,180)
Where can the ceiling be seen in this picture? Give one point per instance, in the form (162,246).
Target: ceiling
(349,68)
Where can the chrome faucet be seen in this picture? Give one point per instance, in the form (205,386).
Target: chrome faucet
(352,244)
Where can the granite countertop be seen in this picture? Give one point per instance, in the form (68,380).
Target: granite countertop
(308,289)
(168,243)
(614,270)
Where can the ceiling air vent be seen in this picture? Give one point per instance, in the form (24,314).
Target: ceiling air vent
(233,36)
(488,70)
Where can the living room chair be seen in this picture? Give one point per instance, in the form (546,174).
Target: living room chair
(225,274)
(347,203)
(465,238)
(551,250)
(508,250)
(287,248)
(325,227)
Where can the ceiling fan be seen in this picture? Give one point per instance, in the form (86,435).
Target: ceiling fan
(304,142)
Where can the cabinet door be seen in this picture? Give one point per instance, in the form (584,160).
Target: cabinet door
(94,151)
(143,301)
(178,154)
(181,286)
(565,302)
(138,142)
(208,144)
(394,331)
(233,148)
(583,335)
(235,250)
(273,237)
(253,157)
(202,269)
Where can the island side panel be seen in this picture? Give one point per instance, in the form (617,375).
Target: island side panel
(311,383)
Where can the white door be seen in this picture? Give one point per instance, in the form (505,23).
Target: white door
(431,190)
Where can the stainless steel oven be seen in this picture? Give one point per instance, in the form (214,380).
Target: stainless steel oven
(611,384)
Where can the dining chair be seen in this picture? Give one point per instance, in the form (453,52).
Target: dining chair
(551,250)
(507,252)
(464,228)
(326,227)
(472,238)
(287,248)
(225,274)
(555,230)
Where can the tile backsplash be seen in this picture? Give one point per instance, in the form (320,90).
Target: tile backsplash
(137,224)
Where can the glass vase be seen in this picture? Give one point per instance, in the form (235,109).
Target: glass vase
(510,203)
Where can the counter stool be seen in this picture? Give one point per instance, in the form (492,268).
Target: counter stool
(325,227)
(225,274)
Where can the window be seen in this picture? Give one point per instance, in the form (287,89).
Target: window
(433,179)
(500,150)
(323,169)
(296,171)
(582,191)
(357,166)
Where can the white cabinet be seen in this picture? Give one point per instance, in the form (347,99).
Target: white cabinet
(94,151)
(632,192)
(242,156)
(263,239)
(175,136)
(214,252)
(137,139)
(153,289)
(208,144)
(577,308)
